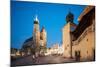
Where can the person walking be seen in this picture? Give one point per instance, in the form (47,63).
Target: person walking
(33,57)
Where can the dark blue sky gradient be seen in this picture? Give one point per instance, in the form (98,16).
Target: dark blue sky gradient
(51,16)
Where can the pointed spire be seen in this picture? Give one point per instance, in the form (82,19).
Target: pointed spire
(36,19)
(42,29)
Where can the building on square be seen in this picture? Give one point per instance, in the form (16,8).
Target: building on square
(66,35)
(79,40)
(83,43)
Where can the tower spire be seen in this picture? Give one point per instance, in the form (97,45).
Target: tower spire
(36,21)
(36,18)
(70,17)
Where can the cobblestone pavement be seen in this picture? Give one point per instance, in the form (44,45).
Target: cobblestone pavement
(40,60)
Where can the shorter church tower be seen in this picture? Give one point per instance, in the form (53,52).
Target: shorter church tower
(43,37)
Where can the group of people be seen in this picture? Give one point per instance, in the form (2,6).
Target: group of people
(35,57)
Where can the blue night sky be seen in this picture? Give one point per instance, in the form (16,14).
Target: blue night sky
(51,16)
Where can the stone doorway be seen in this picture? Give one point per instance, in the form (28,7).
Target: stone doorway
(77,55)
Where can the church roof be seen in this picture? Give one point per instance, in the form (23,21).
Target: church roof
(28,43)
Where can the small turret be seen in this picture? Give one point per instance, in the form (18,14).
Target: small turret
(69,17)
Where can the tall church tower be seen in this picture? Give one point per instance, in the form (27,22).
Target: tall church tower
(36,32)
(67,29)
(43,37)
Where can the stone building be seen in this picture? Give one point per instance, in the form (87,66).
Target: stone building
(56,49)
(67,29)
(83,44)
(79,40)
